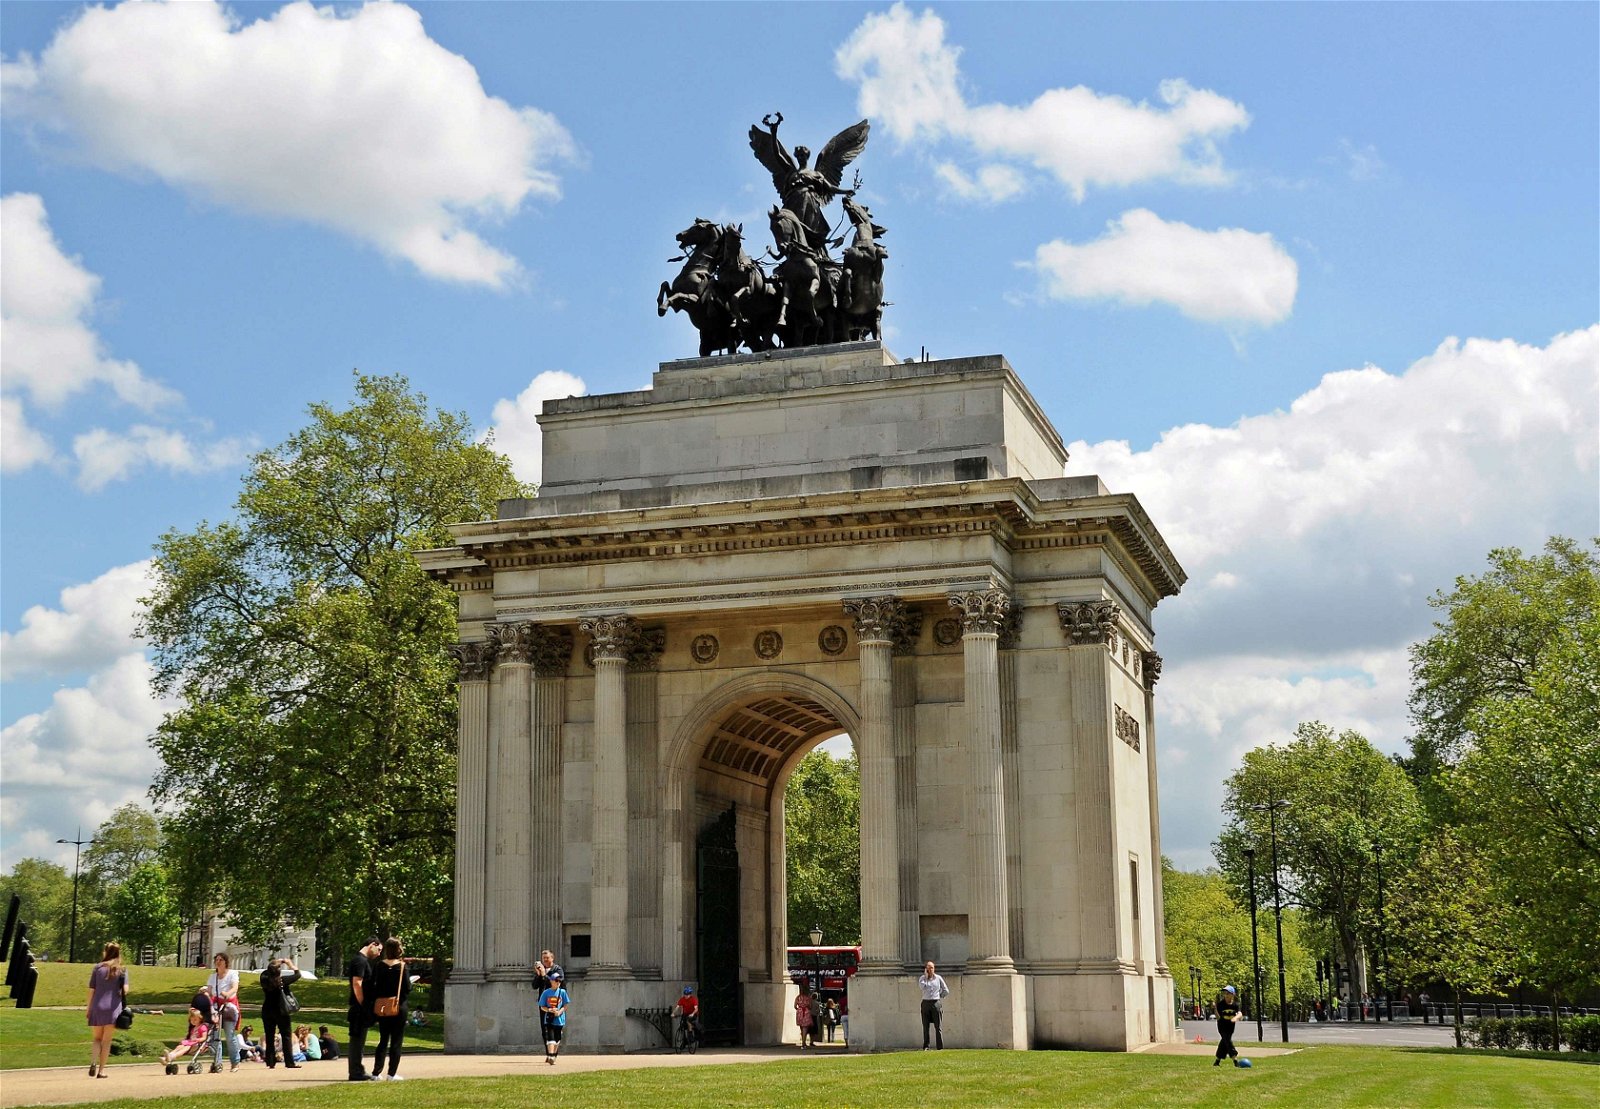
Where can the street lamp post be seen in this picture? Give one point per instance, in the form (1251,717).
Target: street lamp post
(1255,946)
(77,852)
(1383,938)
(1277,909)
(816,961)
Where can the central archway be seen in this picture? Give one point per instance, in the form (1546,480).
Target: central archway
(731,759)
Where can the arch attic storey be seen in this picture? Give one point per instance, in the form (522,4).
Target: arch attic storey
(758,553)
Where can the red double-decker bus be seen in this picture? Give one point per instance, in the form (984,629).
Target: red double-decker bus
(827,970)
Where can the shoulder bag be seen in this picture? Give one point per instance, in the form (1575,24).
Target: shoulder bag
(390,1006)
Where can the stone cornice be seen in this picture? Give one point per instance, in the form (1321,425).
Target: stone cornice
(1006,508)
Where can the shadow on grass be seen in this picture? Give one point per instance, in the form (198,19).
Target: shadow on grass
(1581,1058)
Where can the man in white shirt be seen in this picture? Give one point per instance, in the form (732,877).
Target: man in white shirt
(934,991)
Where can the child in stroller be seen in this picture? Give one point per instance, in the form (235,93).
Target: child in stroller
(196,1039)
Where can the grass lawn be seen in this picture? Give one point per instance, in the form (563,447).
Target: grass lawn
(55,1037)
(1320,1076)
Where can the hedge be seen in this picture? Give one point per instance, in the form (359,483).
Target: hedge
(1534,1034)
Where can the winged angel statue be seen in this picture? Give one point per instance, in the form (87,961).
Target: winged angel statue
(806,192)
(809,297)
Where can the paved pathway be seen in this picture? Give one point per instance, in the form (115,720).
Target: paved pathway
(1335,1032)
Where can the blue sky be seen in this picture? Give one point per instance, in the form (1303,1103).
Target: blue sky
(1317,282)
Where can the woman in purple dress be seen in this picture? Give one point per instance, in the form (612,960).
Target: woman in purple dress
(108,988)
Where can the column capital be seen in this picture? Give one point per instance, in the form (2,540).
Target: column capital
(885,620)
(613,635)
(550,650)
(982,611)
(474,659)
(1152,670)
(1090,622)
(513,643)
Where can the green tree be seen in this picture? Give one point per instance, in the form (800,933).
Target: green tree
(1343,797)
(1495,630)
(46,892)
(1208,927)
(143,912)
(1452,925)
(129,838)
(822,833)
(1528,795)
(310,772)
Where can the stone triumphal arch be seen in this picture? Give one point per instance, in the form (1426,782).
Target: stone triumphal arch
(756,554)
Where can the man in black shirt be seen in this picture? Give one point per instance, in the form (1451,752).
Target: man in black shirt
(359,971)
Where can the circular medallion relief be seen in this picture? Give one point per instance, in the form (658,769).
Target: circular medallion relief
(833,640)
(769,644)
(704,648)
(947,632)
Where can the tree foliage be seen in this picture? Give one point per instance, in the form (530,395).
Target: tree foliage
(129,838)
(1507,706)
(310,771)
(1343,799)
(1452,927)
(143,911)
(46,891)
(822,833)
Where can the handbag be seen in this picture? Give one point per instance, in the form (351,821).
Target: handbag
(124,1017)
(390,1006)
(291,1004)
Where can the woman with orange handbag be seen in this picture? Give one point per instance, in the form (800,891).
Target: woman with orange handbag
(391,985)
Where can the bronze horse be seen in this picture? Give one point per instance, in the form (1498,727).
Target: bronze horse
(693,290)
(862,299)
(754,300)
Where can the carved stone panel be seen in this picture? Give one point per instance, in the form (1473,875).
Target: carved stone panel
(704,649)
(769,644)
(832,640)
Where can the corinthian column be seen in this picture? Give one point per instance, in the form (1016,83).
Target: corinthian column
(510,931)
(875,621)
(612,637)
(476,661)
(983,614)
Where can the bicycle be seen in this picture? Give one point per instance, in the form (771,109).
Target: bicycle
(688,1037)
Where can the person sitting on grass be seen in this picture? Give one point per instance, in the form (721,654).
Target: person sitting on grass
(300,1052)
(192,1039)
(330,1046)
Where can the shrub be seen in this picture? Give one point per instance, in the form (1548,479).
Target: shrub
(124,1044)
(1537,1033)
(1582,1033)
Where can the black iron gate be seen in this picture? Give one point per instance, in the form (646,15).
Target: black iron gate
(717,932)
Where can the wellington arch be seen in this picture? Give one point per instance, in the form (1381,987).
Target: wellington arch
(756,554)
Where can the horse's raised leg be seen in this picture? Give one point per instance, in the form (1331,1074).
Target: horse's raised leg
(661,299)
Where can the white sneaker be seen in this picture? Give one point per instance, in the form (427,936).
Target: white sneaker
(397,1078)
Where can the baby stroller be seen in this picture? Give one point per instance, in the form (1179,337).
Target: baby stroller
(202,1052)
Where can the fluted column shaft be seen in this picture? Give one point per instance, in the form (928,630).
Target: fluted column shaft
(612,636)
(880,852)
(472,785)
(511,933)
(988,914)
(1152,672)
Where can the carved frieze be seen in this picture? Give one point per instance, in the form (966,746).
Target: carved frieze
(1087,622)
(982,610)
(475,660)
(1127,727)
(610,637)
(885,618)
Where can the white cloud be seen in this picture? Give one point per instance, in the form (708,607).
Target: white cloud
(21,446)
(993,183)
(80,758)
(1224,276)
(92,627)
(516,421)
(352,119)
(1313,537)
(48,349)
(910,81)
(107,456)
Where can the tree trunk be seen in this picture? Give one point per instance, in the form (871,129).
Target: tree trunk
(439,978)
(1555,1015)
(1455,994)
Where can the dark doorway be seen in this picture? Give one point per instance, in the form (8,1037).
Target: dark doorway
(717,932)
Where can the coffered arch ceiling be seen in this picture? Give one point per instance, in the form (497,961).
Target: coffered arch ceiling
(754,741)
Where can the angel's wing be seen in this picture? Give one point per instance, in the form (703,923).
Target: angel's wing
(773,155)
(841,150)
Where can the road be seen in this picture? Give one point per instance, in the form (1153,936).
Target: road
(1403,1034)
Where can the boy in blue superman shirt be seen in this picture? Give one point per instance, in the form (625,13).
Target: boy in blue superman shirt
(553,1016)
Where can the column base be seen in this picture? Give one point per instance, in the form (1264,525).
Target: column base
(992,964)
(509,974)
(879,968)
(467,976)
(608,972)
